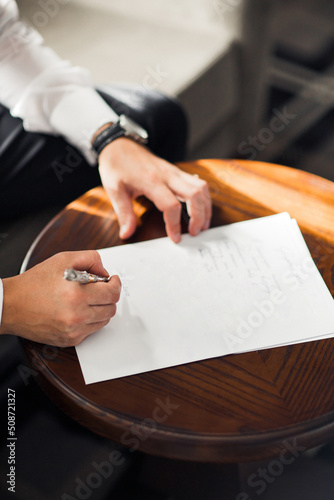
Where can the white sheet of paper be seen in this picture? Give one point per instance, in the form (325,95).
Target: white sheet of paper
(245,286)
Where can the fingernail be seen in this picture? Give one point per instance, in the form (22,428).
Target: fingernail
(123,231)
(176,237)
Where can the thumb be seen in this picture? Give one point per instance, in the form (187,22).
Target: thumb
(90,261)
(122,204)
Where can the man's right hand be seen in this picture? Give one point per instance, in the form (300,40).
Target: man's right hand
(40,305)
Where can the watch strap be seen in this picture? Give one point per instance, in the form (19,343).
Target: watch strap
(108,135)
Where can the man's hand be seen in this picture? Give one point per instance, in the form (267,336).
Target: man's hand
(40,305)
(128,169)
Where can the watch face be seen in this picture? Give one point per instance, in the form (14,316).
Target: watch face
(132,129)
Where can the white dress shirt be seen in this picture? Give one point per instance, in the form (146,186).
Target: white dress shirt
(46,92)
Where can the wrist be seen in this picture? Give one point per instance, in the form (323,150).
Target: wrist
(7,324)
(124,127)
(101,129)
(119,152)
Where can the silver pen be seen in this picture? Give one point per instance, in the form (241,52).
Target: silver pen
(84,277)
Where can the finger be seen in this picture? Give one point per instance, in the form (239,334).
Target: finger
(100,294)
(196,194)
(199,208)
(100,314)
(169,205)
(86,260)
(122,204)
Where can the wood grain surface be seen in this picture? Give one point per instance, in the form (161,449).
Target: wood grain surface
(229,409)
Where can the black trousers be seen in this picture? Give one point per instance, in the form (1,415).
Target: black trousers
(39,170)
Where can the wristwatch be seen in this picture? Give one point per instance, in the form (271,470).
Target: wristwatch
(124,127)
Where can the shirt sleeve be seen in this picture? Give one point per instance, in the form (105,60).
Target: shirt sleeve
(1,299)
(46,92)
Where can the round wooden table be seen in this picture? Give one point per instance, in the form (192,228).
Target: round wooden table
(236,408)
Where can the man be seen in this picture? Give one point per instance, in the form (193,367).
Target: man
(46,95)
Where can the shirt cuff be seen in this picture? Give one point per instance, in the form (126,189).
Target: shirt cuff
(78,116)
(1,299)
